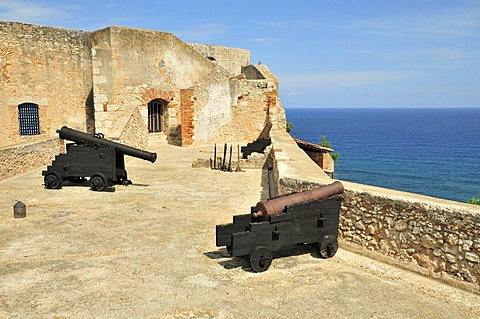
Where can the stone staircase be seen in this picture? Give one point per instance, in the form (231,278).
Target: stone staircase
(158,138)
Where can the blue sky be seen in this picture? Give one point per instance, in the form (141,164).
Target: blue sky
(351,53)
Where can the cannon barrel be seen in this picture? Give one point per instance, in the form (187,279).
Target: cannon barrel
(277,205)
(266,131)
(79,137)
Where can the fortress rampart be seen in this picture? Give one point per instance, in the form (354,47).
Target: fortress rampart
(126,83)
(436,237)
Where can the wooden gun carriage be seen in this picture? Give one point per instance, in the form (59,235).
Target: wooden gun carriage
(260,144)
(91,156)
(309,217)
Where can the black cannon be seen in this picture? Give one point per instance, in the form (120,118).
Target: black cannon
(260,144)
(91,156)
(309,217)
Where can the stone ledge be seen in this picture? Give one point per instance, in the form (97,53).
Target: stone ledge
(435,237)
(18,159)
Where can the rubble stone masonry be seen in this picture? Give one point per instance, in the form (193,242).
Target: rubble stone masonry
(50,67)
(436,237)
(444,239)
(25,157)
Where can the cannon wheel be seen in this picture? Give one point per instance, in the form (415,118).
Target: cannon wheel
(260,258)
(98,182)
(328,246)
(53,180)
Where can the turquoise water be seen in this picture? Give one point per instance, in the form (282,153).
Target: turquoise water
(430,151)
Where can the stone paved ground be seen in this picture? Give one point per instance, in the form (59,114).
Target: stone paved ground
(148,251)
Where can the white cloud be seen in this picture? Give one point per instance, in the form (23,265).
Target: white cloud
(463,22)
(31,12)
(344,79)
(202,32)
(287,24)
(265,40)
(271,24)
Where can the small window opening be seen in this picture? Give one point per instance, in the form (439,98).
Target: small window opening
(28,119)
(155,116)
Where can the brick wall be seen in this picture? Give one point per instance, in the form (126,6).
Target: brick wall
(186,102)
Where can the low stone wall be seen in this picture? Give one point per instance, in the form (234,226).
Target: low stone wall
(443,238)
(18,159)
(436,237)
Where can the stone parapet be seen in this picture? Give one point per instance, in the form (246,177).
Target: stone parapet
(20,158)
(432,236)
(230,59)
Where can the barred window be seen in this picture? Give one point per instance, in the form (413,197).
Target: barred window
(28,119)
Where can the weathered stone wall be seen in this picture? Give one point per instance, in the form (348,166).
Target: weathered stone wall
(232,110)
(132,67)
(46,66)
(253,73)
(433,236)
(18,159)
(233,60)
(323,160)
(103,81)
(135,132)
(249,112)
(445,239)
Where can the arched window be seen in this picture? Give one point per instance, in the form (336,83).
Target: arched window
(28,119)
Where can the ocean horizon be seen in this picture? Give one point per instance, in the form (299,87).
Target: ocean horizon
(434,151)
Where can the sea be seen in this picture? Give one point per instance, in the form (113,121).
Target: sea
(429,151)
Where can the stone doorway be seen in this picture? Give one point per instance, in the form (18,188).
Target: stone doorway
(156,110)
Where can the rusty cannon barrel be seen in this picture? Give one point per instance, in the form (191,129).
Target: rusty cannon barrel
(277,205)
(266,131)
(82,138)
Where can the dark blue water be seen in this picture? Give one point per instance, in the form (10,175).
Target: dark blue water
(430,151)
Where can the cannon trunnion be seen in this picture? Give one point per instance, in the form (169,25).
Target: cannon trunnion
(93,157)
(309,217)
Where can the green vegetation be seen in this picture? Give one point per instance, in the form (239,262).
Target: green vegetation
(289,127)
(475,200)
(334,156)
(326,143)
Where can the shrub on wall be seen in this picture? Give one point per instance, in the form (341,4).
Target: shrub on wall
(475,200)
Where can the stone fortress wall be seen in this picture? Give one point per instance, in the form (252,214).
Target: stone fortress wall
(104,81)
(436,237)
(48,67)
